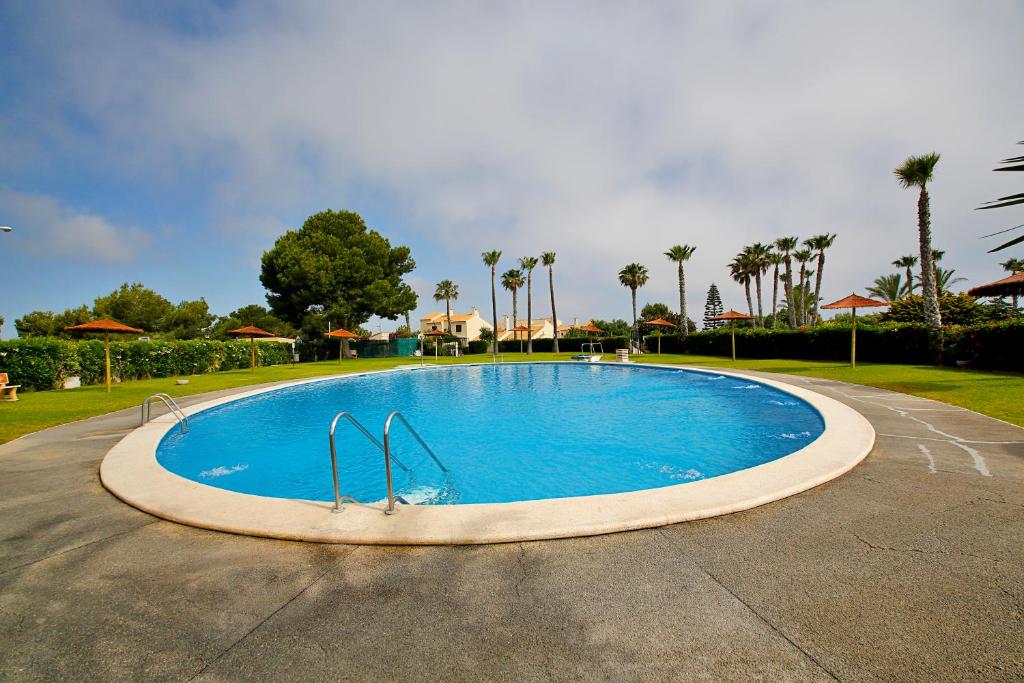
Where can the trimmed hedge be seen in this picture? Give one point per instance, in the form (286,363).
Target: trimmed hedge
(990,345)
(571,345)
(44,362)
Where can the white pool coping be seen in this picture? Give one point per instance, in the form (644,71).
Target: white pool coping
(131,472)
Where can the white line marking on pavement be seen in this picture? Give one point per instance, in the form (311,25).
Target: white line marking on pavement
(928,454)
(928,438)
(979,462)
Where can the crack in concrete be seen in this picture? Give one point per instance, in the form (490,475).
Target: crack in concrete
(331,565)
(750,608)
(79,547)
(521,555)
(920,551)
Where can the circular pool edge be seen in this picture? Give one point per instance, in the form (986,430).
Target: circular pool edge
(131,472)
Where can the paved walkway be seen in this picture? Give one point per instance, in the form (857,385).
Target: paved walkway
(908,568)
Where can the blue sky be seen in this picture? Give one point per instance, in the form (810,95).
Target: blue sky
(171,144)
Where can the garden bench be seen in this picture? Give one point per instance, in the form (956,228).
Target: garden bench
(8,392)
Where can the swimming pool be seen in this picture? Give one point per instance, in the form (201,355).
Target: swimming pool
(512,432)
(583,438)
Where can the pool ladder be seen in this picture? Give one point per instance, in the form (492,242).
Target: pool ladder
(171,406)
(384,448)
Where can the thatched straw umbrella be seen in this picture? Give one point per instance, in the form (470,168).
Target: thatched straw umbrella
(658,323)
(732,316)
(520,329)
(435,334)
(1008,286)
(251,331)
(341,335)
(854,302)
(106,327)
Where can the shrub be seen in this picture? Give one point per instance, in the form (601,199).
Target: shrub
(43,363)
(565,344)
(38,362)
(478,346)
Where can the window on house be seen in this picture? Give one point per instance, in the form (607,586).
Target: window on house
(458,328)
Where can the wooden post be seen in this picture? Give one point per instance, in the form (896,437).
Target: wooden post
(252,352)
(659,342)
(106,356)
(853,341)
(732,334)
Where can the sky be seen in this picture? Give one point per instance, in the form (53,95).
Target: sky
(172,143)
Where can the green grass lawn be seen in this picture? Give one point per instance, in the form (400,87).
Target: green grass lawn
(991,393)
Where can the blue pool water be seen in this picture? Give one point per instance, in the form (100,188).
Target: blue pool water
(506,432)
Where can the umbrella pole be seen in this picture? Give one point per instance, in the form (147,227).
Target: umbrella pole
(659,343)
(106,358)
(853,341)
(732,335)
(252,353)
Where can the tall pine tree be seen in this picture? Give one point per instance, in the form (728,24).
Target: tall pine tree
(712,308)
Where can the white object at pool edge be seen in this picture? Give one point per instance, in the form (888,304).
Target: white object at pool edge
(131,472)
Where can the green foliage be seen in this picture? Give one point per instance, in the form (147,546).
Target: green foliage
(50,324)
(135,305)
(335,268)
(956,309)
(613,328)
(38,362)
(567,344)
(189,320)
(477,346)
(989,345)
(713,306)
(44,363)
(659,310)
(253,314)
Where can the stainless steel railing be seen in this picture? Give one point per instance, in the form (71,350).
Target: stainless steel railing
(334,457)
(171,406)
(390,510)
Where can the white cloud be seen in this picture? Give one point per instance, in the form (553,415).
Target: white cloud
(47,228)
(604,131)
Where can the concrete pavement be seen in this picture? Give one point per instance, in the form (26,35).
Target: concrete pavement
(908,568)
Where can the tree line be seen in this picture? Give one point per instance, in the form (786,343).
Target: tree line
(139,306)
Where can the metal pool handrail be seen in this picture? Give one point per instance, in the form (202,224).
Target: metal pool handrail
(390,510)
(171,406)
(334,457)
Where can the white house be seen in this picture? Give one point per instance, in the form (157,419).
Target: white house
(465,326)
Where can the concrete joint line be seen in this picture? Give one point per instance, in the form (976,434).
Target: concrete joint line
(79,547)
(267,618)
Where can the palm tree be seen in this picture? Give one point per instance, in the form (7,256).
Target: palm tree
(803,257)
(491,259)
(944,279)
(446,291)
(548,259)
(634,276)
(1014,266)
(786,245)
(759,263)
(775,259)
(818,244)
(681,253)
(916,172)
(887,287)
(907,262)
(528,263)
(741,270)
(512,280)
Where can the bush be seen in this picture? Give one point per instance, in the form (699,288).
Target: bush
(565,345)
(43,363)
(989,345)
(38,362)
(478,346)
